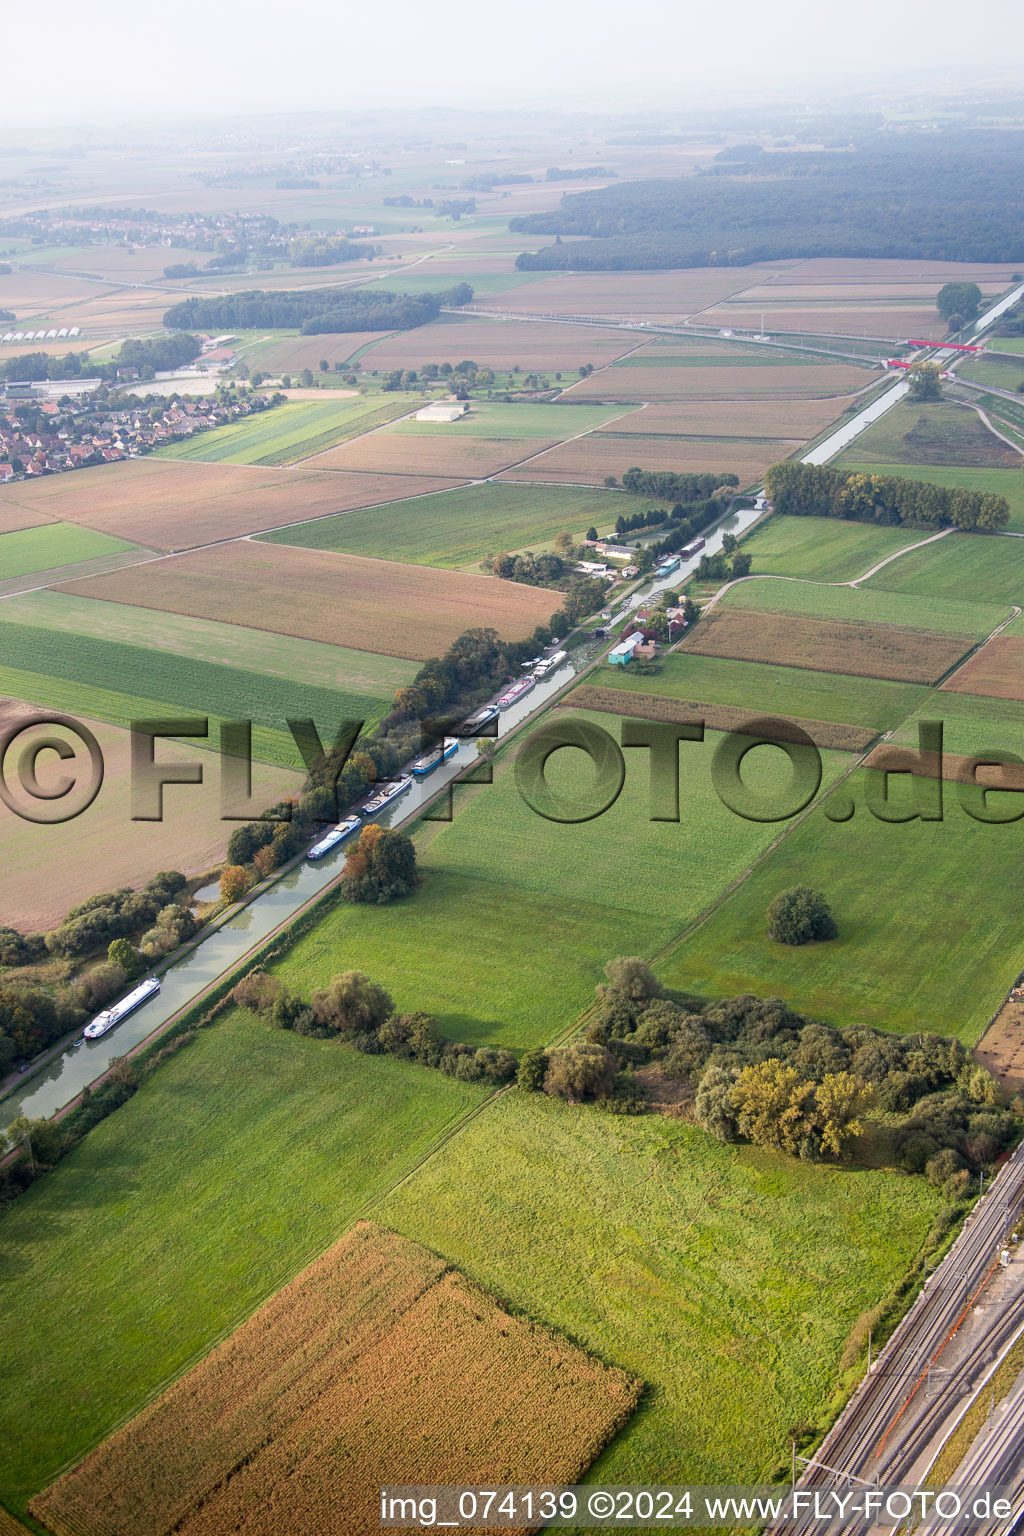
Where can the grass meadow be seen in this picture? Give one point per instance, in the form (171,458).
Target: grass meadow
(463,526)
(976,565)
(939,433)
(996,482)
(238,1162)
(870,605)
(726,1278)
(41,549)
(788,691)
(929,937)
(822,548)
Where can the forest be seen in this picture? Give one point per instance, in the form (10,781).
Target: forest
(941,200)
(315,311)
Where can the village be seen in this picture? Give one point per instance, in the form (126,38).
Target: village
(51,436)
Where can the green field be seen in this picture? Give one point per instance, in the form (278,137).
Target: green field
(288,432)
(661,871)
(929,935)
(243,1158)
(787,691)
(727,1279)
(488,418)
(494,965)
(257,650)
(997,482)
(937,433)
(988,567)
(54,544)
(868,606)
(465,525)
(822,548)
(80,670)
(995,371)
(972,724)
(727,358)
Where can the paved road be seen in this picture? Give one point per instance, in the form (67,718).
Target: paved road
(881,1433)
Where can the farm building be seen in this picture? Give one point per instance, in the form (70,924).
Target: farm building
(443,412)
(623,653)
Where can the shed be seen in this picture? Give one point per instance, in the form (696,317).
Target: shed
(443,412)
(622,654)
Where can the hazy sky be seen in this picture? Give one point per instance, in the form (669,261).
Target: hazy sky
(70,61)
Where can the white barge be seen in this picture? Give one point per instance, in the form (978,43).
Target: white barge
(111,1016)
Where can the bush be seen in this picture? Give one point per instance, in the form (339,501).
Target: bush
(234,883)
(532,1071)
(941,1168)
(351,1003)
(381,867)
(581,1071)
(800,916)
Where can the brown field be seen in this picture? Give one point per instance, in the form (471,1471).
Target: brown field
(664,296)
(191,836)
(467,458)
(499,344)
(823,645)
(298,352)
(1001,1048)
(591,458)
(122,263)
(802,419)
(172,504)
(13,517)
(951,768)
(411,611)
(781,382)
(996,671)
(378,1364)
(717,717)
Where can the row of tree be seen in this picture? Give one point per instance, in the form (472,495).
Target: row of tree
(315,311)
(820,490)
(677,488)
(163,353)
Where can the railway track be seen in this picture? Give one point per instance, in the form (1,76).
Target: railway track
(889,1420)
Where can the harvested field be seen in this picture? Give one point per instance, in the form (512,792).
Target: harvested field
(13,518)
(466,458)
(290,354)
(665,296)
(176,506)
(191,836)
(371,605)
(379,1363)
(716,717)
(499,344)
(823,645)
(721,381)
(951,767)
(1001,1048)
(996,671)
(733,418)
(592,458)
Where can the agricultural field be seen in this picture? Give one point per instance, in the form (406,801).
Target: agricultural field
(287,433)
(121,682)
(660,297)
(892,299)
(463,526)
(370,605)
(103,848)
(334,667)
(13,519)
(727,1278)
(996,670)
(53,544)
(661,871)
(770,690)
(987,566)
(593,458)
(499,344)
(928,933)
(292,1399)
(826,645)
(822,548)
(717,717)
(972,725)
(747,420)
(995,482)
(177,1217)
(177,506)
(288,352)
(865,605)
(699,370)
(1006,372)
(938,433)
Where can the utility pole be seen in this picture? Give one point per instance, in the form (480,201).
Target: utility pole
(793,1474)
(869,1351)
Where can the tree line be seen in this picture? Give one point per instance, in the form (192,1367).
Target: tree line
(681,488)
(315,311)
(819,490)
(158,353)
(941,198)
